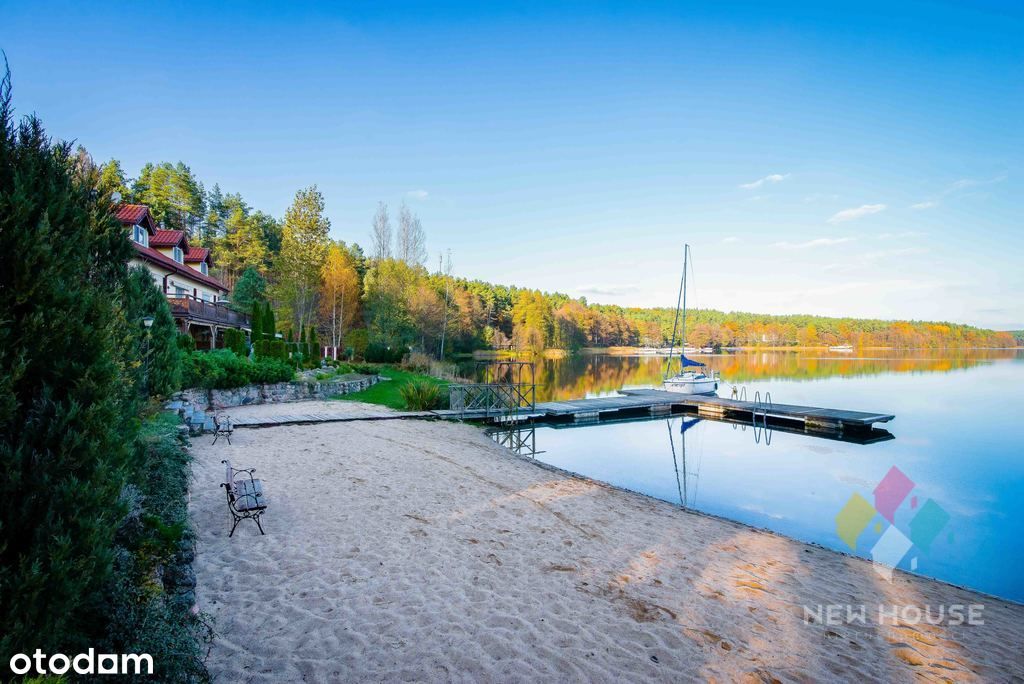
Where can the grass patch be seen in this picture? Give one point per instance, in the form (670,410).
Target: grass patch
(389,392)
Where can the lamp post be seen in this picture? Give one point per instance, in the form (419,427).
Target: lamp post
(147,323)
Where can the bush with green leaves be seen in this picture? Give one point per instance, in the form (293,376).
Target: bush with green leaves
(235,341)
(380,353)
(365,368)
(186,342)
(153,539)
(223,369)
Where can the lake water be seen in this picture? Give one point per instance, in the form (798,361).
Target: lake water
(957,496)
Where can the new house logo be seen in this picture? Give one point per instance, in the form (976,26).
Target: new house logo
(893,544)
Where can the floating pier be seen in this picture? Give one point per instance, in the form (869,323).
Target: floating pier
(632,402)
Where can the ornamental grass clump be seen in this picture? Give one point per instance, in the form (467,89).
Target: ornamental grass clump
(421,395)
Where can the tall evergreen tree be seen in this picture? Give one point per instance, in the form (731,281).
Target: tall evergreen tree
(269,322)
(157,368)
(256,321)
(303,251)
(112,179)
(66,412)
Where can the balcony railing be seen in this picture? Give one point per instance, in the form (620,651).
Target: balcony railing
(188,306)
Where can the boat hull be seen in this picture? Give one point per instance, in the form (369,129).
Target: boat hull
(691,385)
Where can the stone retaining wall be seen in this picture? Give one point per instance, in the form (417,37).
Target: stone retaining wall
(282,392)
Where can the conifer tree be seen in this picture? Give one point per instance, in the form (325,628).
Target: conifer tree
(256,321)
(66,412)
(269,322)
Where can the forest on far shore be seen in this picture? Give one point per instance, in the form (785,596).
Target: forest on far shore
(388,297)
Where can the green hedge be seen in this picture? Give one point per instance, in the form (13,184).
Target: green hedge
(223,369)
(235,341)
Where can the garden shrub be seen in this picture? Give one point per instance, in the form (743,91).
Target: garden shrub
(154,540)
(235,341)
(365,368)
(186,342)
(379,353)
(223,369)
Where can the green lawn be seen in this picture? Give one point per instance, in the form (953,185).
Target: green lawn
(387,392)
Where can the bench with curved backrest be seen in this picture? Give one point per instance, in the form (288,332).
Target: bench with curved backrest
(245,495)
(222,427)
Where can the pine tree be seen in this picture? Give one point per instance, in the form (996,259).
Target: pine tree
(112,179)
(303,250)
(314,345)
(269,322)
(66,410)
(251,287)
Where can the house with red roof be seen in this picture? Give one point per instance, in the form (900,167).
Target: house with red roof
(182,271)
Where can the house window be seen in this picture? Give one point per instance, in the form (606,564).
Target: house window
(179,256)
(207,297)
(203,268)
(179,291)
(141,236)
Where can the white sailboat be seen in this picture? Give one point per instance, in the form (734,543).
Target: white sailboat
(686,381)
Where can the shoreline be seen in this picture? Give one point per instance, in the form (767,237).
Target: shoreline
(725,351)
(420,549)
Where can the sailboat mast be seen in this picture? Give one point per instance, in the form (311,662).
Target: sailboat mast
(675,322)
(682,341)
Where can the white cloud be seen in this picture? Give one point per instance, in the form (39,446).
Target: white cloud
(771,178)
(965,183)
(731,238)
(417,194)
(856,212)
(817,242)
(817,197)
(905,234)
(924,205)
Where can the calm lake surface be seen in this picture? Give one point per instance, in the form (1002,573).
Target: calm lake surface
(957,440)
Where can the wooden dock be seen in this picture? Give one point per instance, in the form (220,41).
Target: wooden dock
(659,402)
(625,405)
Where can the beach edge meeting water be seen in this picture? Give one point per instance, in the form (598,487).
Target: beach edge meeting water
(424,548)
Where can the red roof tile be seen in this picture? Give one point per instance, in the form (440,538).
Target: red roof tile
(167,238)
(197,254)
(154,257)
(132,214)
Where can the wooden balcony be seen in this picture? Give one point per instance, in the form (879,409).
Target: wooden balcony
(189,308)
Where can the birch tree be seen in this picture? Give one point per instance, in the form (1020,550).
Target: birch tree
(411,242)
(381,233)
(339,293)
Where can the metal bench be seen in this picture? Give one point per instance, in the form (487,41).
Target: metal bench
(222,427)
(245,496)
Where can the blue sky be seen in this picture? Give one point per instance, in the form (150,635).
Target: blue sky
(840,159)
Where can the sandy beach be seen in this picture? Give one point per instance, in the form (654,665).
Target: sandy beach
(421,551)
